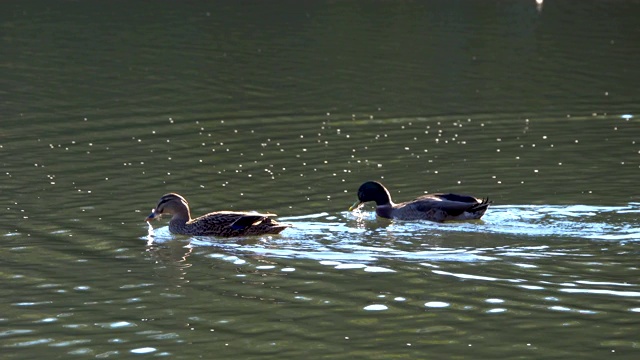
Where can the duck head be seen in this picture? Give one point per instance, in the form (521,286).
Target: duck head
(371,191)
(172,204)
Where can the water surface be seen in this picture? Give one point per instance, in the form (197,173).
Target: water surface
(288,107)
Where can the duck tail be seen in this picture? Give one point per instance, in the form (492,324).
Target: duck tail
(258,224)
(276,229)
(482,206)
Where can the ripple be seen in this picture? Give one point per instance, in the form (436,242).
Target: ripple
(143,350)
(332,240)
(15,332)
(436,304)
(465,276)
(531,287)
(378,269)
(29,303)
(31,343)
(47,320)
(602,292)
(116,325)
(350,266)
(496,310)
(583,221)
(605,283)
(494,301)
(70,342)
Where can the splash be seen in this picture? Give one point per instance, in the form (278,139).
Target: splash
(348,240)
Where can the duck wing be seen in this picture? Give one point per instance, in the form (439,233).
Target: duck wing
(250,219)
(232,223)
(440,207)
(456,198)
(452,204)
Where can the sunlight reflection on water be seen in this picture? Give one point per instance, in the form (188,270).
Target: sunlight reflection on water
(334,241)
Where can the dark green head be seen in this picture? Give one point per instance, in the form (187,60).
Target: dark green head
(372,191)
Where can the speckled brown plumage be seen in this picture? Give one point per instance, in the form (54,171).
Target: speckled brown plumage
(219,223)
(434,207)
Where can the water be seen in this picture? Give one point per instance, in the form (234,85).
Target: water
(288,107)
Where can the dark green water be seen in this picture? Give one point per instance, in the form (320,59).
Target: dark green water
(288,107)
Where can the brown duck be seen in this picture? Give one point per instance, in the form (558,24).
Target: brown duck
(434,207)
(219,223)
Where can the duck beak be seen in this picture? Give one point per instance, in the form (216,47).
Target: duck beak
(356,205)
(151,216)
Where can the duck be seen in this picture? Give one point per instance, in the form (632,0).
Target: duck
(433,207)
(218,223)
